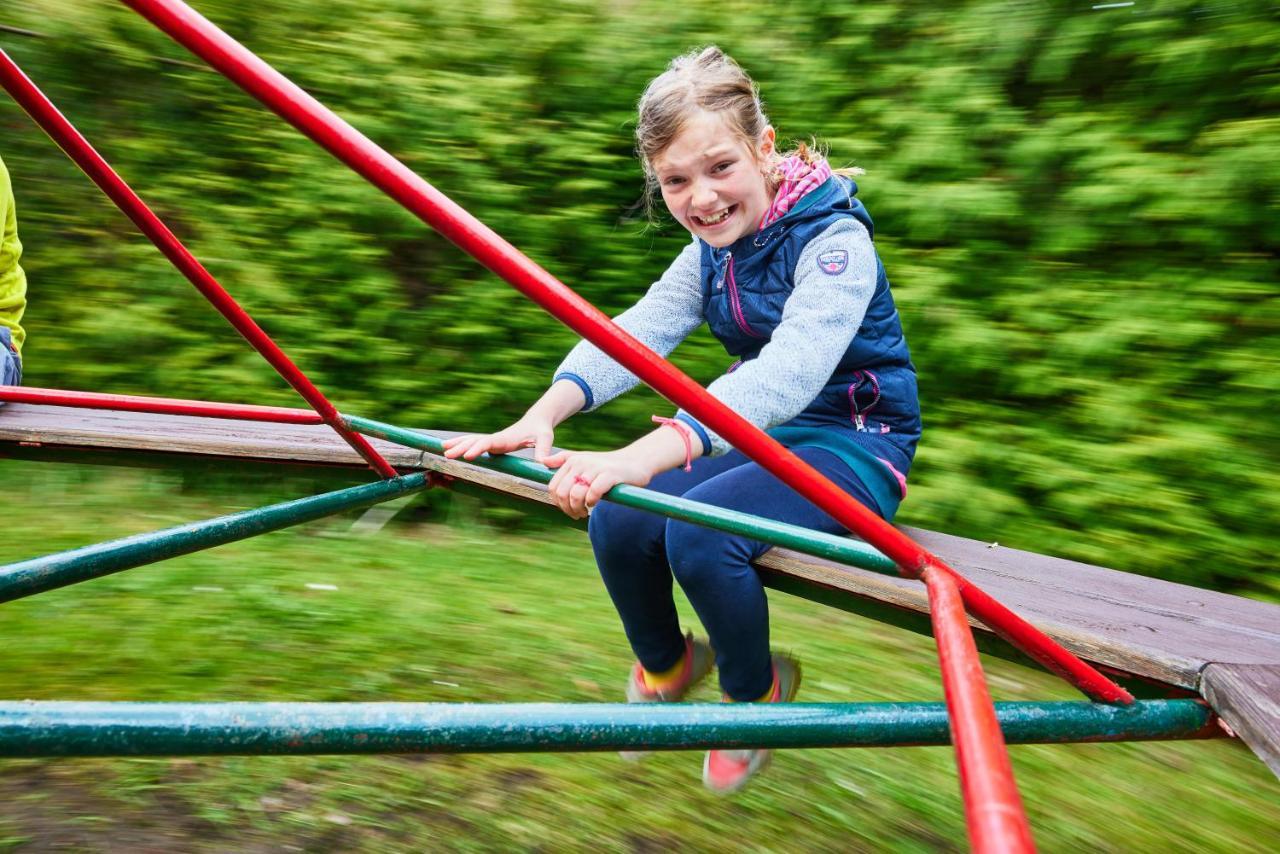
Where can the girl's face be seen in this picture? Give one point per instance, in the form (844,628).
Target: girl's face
(713,182)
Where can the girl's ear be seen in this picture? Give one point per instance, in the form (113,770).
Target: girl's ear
(767,137)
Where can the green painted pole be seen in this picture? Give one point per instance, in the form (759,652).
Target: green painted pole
(37,575)
(794,537)
(34,729)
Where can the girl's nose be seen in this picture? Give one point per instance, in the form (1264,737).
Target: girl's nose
(703,195)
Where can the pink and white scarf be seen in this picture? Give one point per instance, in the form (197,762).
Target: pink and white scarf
(798,179)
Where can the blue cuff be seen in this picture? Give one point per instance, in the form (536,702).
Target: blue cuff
(697,428)
(581,383)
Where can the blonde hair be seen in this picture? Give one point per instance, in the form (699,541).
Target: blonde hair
(707,80)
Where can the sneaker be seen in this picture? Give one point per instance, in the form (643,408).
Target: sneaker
(698,661)
(727,771)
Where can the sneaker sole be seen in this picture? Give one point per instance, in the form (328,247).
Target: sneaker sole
(757,764)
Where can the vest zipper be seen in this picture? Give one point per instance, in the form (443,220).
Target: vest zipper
(859,416)
(735,305)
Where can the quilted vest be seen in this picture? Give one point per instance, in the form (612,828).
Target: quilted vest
(870,398)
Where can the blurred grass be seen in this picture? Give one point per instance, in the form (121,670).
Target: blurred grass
(442,605)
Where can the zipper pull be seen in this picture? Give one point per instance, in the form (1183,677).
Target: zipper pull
(728,266)
(859,423)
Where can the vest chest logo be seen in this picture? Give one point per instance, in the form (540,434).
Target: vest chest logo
(833,263)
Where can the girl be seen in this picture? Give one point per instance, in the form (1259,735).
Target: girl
(782,268)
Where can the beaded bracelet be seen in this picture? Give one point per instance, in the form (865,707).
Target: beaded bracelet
(683,430)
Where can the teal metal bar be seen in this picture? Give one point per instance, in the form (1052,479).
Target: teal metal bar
(39,574)
(794,537)
(33,729)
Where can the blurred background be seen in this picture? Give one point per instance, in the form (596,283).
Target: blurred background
(1076,204)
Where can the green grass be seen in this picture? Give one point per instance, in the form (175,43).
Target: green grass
(461,604)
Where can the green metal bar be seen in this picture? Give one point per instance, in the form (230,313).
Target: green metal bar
(39,574)
(794,537)
(31,729)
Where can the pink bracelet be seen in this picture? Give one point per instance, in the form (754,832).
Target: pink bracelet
(683,430)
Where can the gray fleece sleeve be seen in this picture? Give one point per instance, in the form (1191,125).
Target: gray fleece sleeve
(818,321)
(664,316)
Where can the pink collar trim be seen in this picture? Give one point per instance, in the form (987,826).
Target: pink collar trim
(798,180)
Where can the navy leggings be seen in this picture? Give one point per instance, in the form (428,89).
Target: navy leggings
(639,553)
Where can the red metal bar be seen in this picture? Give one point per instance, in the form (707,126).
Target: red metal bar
(992,807)
(47,116)
(162,405)
(291,103)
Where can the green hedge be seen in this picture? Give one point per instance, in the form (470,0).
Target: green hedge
(1077,207)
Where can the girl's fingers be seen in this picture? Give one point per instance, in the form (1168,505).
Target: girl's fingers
(600,485)
(578,498)
(456,445)
(451,444)
(542,447)
(555,487)
(477,447)
(555,460)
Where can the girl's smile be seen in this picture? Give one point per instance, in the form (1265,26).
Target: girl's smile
(712,180)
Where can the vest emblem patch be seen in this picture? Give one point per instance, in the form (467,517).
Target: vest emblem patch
(833,263)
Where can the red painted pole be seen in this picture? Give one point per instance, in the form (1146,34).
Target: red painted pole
(992,807)
(46,115)
(160,405)
(261,81)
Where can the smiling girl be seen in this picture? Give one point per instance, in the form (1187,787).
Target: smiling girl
(782,268)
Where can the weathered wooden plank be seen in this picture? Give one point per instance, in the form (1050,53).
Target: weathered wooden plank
(1151,628)
(29,424)
(98,428)
(1144,636)
(1247,697)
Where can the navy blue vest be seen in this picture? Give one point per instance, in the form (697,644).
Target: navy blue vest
(870,399)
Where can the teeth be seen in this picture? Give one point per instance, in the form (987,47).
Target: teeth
(714,218)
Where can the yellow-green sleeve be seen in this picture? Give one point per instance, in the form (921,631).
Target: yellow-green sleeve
(13,282)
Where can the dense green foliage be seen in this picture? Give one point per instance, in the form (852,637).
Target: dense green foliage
(1077,207)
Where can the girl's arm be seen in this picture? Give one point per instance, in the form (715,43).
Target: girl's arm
(536,428)
(587,378)
(585,477)
(663,317)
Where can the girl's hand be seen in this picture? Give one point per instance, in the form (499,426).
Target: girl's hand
(584,477)
(535,429)
(531,431)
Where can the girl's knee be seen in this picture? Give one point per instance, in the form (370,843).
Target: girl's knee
(614,526)
(694,552)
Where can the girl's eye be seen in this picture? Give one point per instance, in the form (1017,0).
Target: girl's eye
(672,182)
(720,167)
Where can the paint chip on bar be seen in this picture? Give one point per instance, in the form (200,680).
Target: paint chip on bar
(322,587)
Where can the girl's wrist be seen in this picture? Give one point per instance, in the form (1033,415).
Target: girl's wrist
(563,399)
(685,434)
(663,449)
